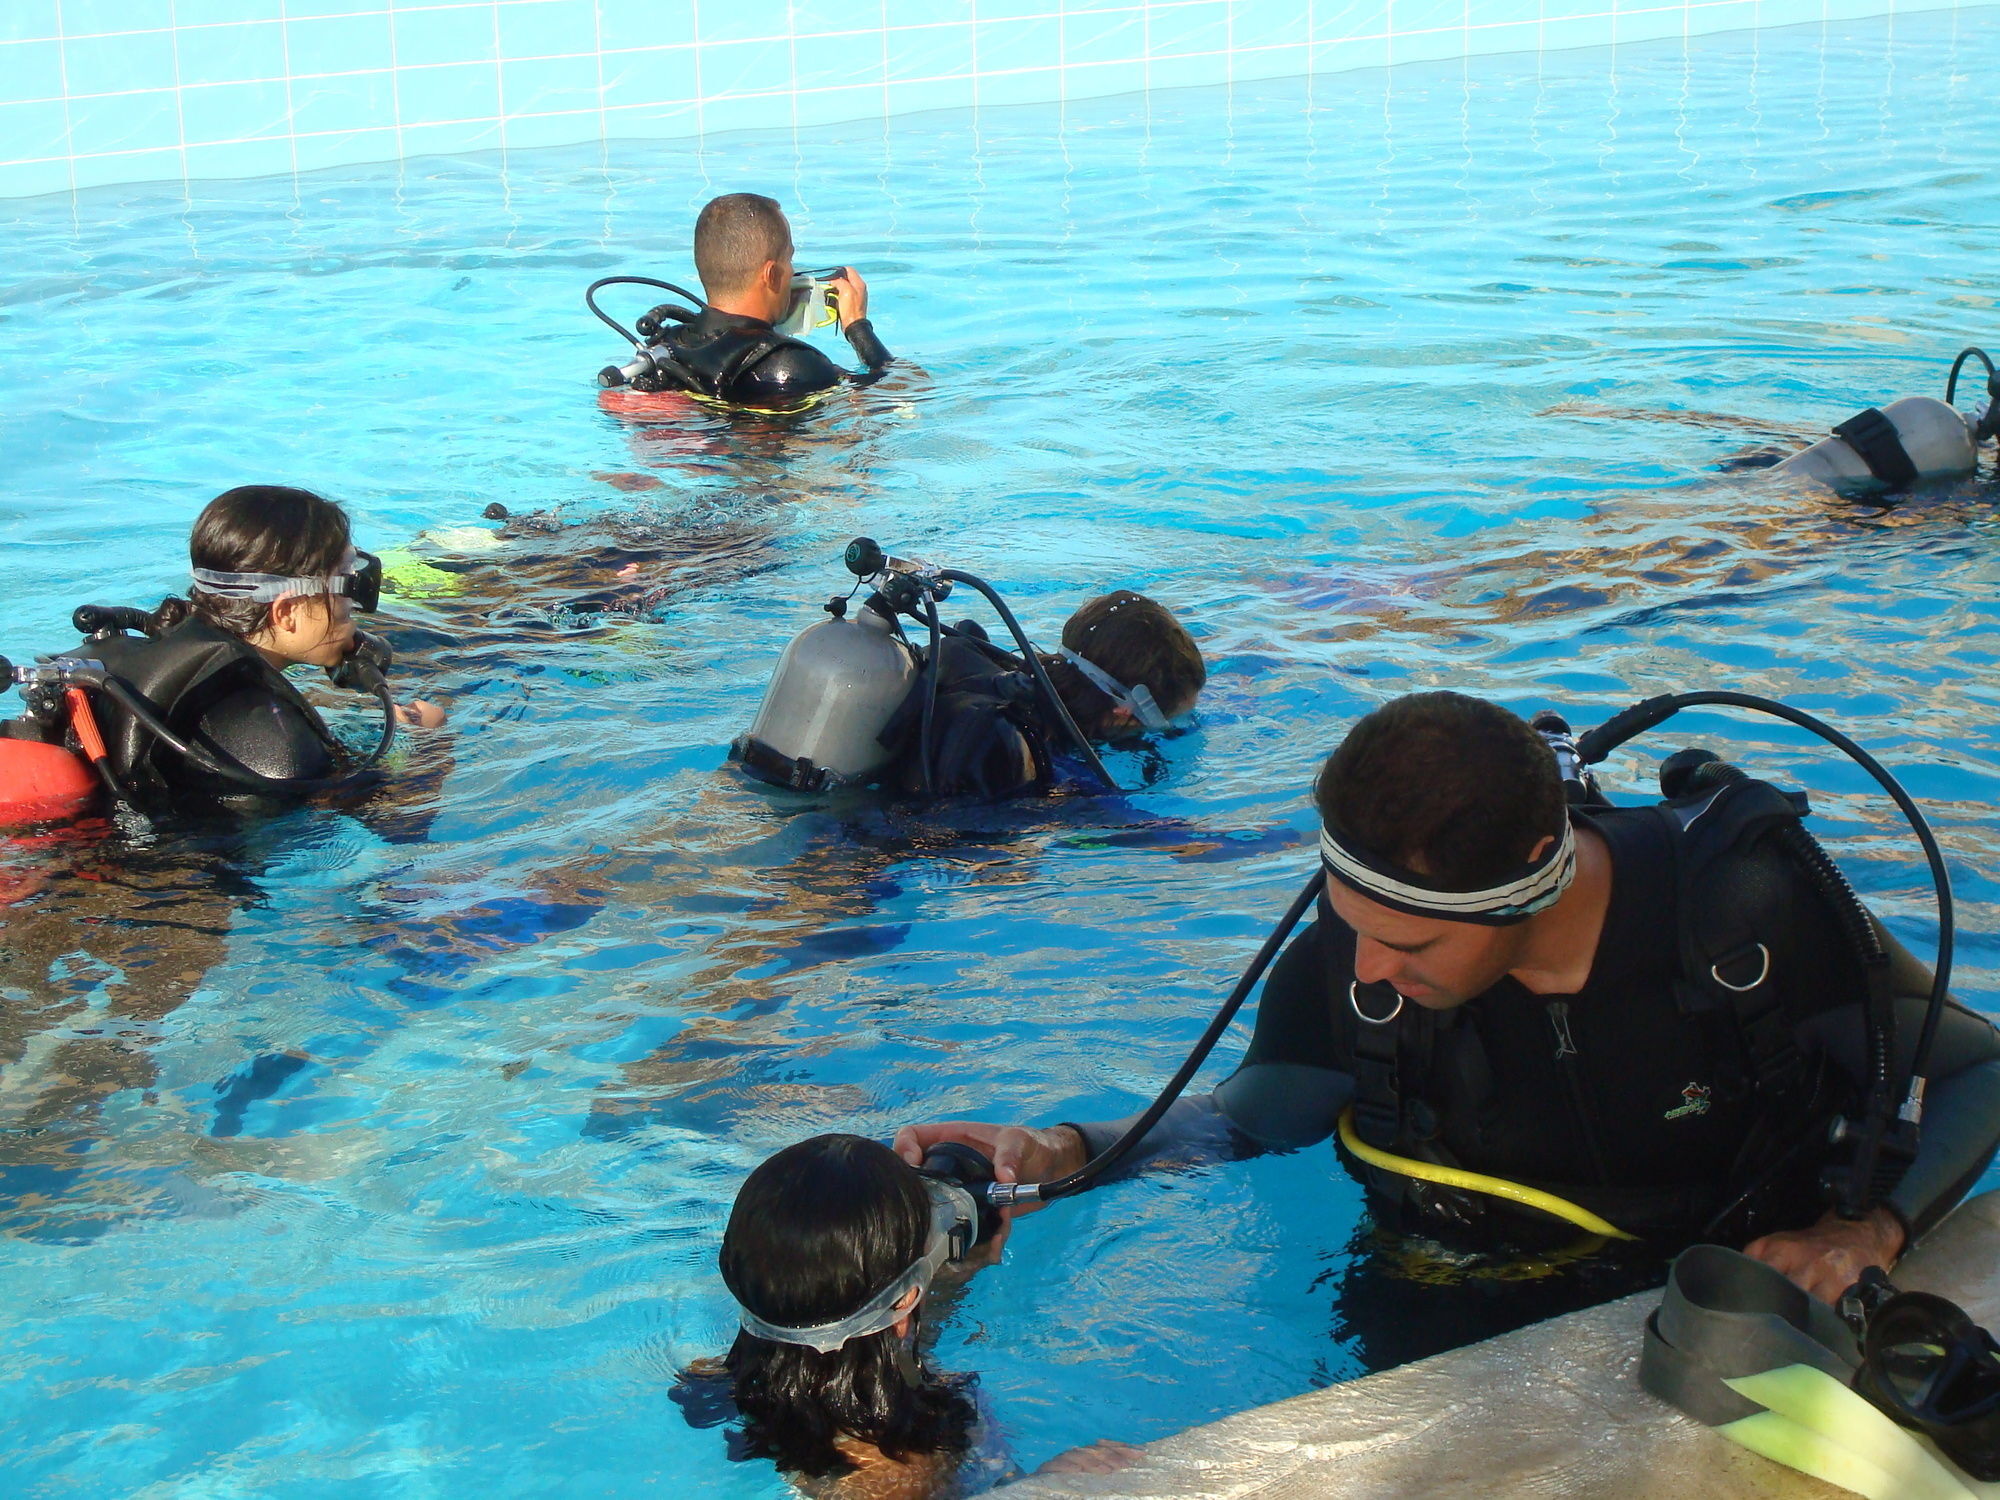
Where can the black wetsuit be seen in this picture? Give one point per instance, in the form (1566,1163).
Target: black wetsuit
(746,362)
(1615,1097)
(214,691)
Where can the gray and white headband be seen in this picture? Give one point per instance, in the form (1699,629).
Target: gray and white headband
(1536,888)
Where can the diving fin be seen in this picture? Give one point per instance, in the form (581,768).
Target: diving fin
(1818,1426)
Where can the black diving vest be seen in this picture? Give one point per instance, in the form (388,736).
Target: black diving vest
(987,735)
(742,361)
(1750,930)
(215,691)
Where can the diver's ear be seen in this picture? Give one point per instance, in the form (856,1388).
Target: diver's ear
(777,276)
(1535,854)
(909,1307)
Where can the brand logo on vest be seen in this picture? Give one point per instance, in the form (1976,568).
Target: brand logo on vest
(1695,1101)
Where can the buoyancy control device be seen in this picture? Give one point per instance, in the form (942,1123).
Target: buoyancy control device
(1877,1143)
(815,304)
(825,716)
(89,726)
(1906,442)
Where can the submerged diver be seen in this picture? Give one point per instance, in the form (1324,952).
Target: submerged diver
(195,709)
(1656,1013)
(739,347)
(854,702)
(1126,667)
(831,1251)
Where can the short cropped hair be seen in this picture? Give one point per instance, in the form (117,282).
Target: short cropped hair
(1135,639)
(1450,787)
(735,235)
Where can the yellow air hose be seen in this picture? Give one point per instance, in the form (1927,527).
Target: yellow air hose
(1474,1182)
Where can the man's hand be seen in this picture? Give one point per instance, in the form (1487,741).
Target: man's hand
(419,713)
(1829,1258)
(1019,1153)
(1105,1456)
(853,301)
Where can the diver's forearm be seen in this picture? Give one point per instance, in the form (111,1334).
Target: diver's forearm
(1194,1130)
(872,352)
(1960,1130)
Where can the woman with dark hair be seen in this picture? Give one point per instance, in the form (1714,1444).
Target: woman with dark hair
(196,706)
(830,1252)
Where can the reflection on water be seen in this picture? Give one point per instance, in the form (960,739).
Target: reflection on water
(397,1136)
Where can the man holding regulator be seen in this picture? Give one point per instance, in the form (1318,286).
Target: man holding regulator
(1655,1014)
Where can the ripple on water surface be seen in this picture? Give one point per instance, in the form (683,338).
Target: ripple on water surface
(385,1150)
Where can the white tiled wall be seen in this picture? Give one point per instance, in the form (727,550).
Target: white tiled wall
(103,91)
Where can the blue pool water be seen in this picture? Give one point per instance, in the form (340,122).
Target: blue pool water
(385,1151)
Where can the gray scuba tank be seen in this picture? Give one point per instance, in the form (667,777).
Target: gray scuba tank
(1936,438)
(833,693)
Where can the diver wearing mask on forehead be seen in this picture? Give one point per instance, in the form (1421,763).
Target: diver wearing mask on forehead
(743,347)
(188,704)
(834,1251)
(1523,1014)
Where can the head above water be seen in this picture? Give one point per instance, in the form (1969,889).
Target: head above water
(815,1232)
(743,254)
(1137,642)
(1457,795)
(286,532)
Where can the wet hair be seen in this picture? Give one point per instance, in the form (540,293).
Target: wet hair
(816,1231)
(258,528)
(1447,786)
(1136,640)
(735,235)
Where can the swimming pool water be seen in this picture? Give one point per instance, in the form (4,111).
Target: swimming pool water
(385,1151)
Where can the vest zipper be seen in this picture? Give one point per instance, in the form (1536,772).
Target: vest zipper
(1566,1064)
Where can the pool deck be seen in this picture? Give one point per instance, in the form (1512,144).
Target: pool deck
(1550,1410)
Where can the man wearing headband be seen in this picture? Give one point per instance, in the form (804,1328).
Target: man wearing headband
(1496,985)
(742,347)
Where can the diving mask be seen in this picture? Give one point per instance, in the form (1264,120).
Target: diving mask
(360,579)
(1929,1366)
(815,302)
(1138,700)
(954,1230)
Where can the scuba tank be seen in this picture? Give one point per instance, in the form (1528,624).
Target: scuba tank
(1916,438)
(840,682)
(834,691)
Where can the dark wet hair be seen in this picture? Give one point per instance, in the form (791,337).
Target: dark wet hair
(734,236)
(1450,787)
(1137,640)
(258,528)
(816,1231)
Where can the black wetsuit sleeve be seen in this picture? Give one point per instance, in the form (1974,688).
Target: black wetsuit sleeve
(868,348)
(1287,1093)
(1961,1123)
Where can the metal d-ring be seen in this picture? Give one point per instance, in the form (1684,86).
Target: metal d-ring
(1354,999)
(1715,973)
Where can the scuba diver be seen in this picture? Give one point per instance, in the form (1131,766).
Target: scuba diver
(854,701)
(188,704)
(742,346)
(831,1252)
(1519,1012)
(1914,440)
